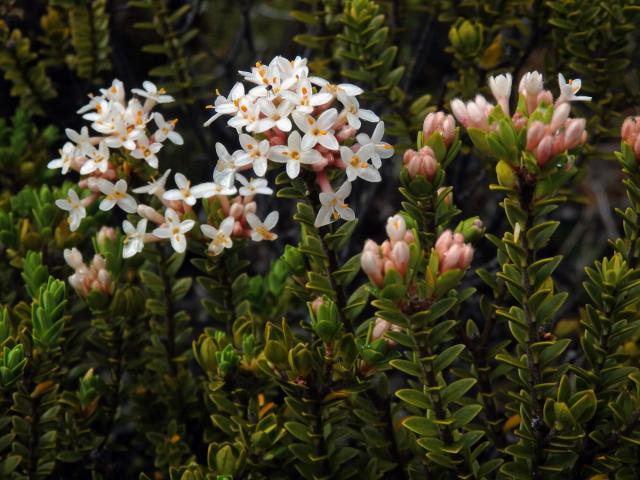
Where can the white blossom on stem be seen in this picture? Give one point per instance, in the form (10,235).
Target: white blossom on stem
(98,159)
(317,131)
(147,151)
(166,130)
(568,90)
(274,116)
(67,156)
(334,206)
(155,187)
(262,230)
(220,237)
(358,165)
(354,112)
(255,153)
(73,205)
(116,195)
(254,186)
(134,240)
(174,229)
(380,149)
(152,92)
(293,154)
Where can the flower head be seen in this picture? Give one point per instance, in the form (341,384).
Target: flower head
(568,90)
(334,206)
(134,240)
(73,205)
(293,154)
(116,194)
(152,92)
(174,229)
(220,237)
(262,230)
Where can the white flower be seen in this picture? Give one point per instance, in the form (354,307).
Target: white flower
(67,156)
(317,131)
(262,230)
(135,114)
(82,140)
(304,99)
(115,92)
(569,89)
(186,192)
(500,86)
(380,149)
(247,116)
(134,241)
(274,116)
(174,229)
(227,105)
(166,130)
(255,153)
(227,164)
(333,89)
(358,165)
(153,93)
(253,186)
(155,186)
(334,206)
(116,195)
(293,154)
(531,83)
(354,112)
(123,136)
(98,160)
(73,205)
(147,151)
(218,188)
(221,236)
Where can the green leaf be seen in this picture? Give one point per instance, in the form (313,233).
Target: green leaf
(454,391)
(413,397)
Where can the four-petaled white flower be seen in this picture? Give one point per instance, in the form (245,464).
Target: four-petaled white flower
(274,116)
(116,195)
(568,90)
(334,89)
(73,205)
(98,159)
(227,164)
(166,130)
(334,206)
(354,112)
(380,149)
(82,140)
(187,193)
(293,154)
(134,240)
(220,237)
(152,92)
(123,136)
(358,165)
(174,229)
(147,150)
(67,156)
(154,187)
(262,230)
(317,131)
(254,186)
(255,153)
(304,99)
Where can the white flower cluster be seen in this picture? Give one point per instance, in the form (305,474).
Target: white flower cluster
(286,118)
(283,115)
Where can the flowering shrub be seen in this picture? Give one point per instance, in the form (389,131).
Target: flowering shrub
(320,293)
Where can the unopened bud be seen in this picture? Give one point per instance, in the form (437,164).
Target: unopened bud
(396,228)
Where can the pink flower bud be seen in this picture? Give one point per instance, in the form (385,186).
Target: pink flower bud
(444,242)
(388,266)
(315,305)
(460,111)
(380,327)
(106,234)
(458,238)
(400,256)
(573,133)
(73,257)
(451,258)
(145,211)
(251,207)
(423,163)
(236,210)
(371,265)
(396,228)
(560,115)
(408,237)
(409,155)
(345,133)
(466,257)
(385,248)
(439,122)
(448,200)
(543,150)
(535,132)
(371,246)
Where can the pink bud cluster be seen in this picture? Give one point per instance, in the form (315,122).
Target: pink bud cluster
(380,327)
(439,122)
(393,254)
(561,134)
(453,252)
(87,278)
(423,162)
(474,113)
(631,134)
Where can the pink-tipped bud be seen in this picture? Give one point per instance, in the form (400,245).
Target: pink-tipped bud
(424,163)
(466,257)
(439,122)
(371,246)
(444,242)
(460,111)
(145,211)
(315,305)
(451,258)
(448,200)
(346,133)
(535,132)
(400,257)
(385,248)
(388,266)
(236,210)
(106,235)
(573,133)
(560,115)
(544,96)
(371,265)
(396,228)
(543,150)
(409,238)
(251,207)
(380,327)
(409,155)
(73,257)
